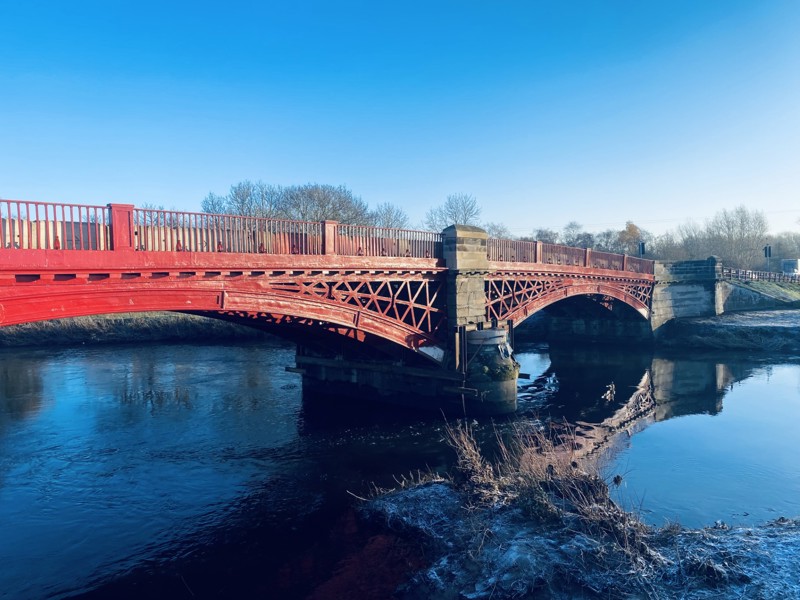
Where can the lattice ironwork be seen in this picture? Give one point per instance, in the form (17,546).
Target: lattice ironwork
(406,307)
(414,300)
(417,303)
(516,295)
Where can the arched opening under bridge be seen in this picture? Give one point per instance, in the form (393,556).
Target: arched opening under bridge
(586,319)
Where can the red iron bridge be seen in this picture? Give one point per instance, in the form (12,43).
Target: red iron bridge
(400,291)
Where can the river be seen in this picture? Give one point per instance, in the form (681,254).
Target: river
(175,470)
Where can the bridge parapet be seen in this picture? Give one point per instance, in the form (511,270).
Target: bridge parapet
(746,275)
(46,226)
(524,252)
(689,270)
(684,289)
(123,227)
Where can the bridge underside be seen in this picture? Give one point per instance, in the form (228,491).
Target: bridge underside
(587,320)
(382,308)
(322,337)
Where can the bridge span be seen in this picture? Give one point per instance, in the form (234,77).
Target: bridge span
(359,300)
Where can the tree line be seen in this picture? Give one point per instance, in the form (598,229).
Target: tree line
(308,202)
(321,202)
(738,236)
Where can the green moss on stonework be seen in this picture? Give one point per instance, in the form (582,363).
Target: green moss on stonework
(492,367)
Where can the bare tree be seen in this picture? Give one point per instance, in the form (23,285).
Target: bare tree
(738,236)
(786,245)
(267,202)
(458,209)
(389,215)
(548,236)
(214,204)
(320,202)
(151,214)
(666,247)
(571,233)
(309,202)
(574,235)
(497,231)
(693,242)
(242,199)
(607,241)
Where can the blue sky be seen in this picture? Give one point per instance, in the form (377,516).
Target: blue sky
(547,111)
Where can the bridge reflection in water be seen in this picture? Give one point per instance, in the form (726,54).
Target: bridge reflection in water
(605,392)
(696,438)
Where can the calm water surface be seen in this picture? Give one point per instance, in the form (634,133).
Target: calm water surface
(199,469)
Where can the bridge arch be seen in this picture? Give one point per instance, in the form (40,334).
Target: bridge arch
(406,312)
(516,297)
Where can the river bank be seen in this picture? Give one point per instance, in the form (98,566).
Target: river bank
(500,552)
(124,328)
(540,522)
(772,331)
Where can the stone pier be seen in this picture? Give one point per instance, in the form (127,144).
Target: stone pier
(477,375)
(477,349)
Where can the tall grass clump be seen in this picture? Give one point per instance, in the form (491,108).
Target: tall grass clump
(539,471)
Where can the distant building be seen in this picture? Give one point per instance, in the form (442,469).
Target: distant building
(790,266)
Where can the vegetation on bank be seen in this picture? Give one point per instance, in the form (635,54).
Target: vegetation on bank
(786,294)
(539,521)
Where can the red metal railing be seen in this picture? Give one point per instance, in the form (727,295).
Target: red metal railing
(747,275)
(42,225)
(162,230)
(360,240)
(511,250)
(557,254)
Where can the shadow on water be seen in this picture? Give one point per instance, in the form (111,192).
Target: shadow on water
(20,389)
(591,383)
(290,530)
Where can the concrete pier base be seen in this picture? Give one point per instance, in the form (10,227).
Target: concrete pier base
(488,385)
(492,371)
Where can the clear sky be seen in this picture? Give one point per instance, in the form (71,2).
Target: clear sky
(547,111)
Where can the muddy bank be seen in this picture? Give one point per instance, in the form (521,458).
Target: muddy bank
(777,331)
(765,330)
(129,327)
(772,331)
